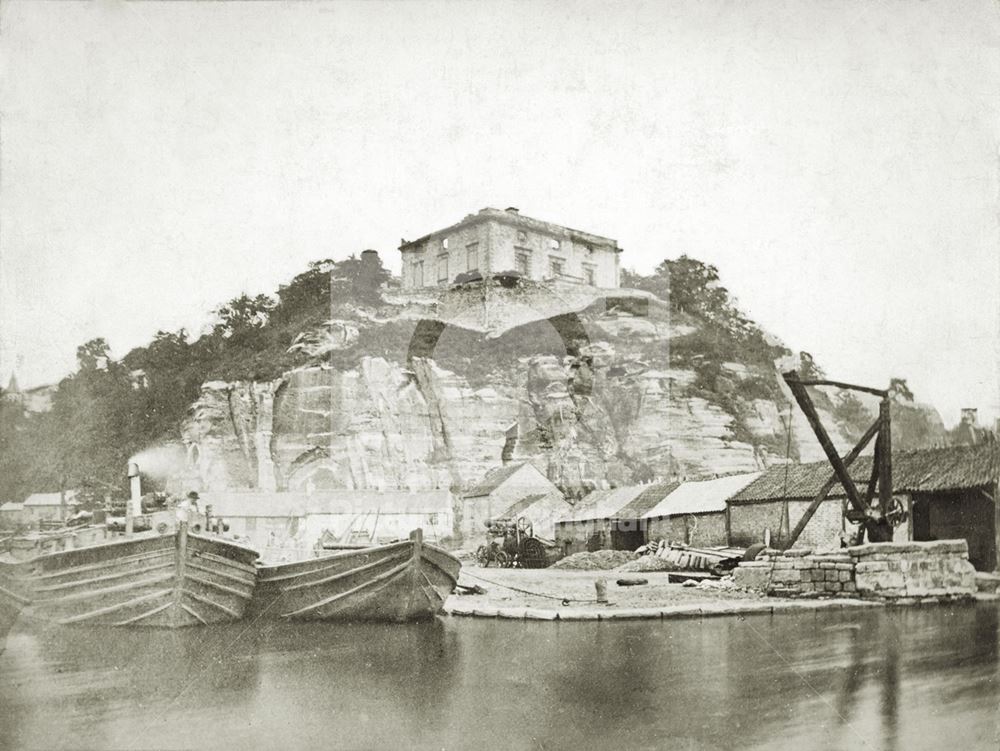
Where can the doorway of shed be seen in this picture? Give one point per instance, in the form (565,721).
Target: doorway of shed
(627,538)
(967,515)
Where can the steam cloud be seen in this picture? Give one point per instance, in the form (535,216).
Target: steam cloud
(164,462)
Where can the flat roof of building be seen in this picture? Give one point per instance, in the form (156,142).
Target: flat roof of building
(515,219)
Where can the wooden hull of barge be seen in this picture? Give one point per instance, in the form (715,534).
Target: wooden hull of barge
(166,581)
(402,581)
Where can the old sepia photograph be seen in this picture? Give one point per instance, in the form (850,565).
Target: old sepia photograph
(500,374)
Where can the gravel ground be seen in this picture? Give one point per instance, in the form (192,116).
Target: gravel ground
(578,586)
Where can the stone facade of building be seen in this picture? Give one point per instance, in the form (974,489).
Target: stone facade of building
(493,241)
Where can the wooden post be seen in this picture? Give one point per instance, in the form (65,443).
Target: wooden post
(180,545)
(876,465)
(783,525)
(996,526)
(417,538)
(828,485)
(807,407)
(601,586)
(885,457)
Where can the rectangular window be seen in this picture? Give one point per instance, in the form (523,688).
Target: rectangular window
(522,236)
(444,243)
(556,267)
(523,261)
(418,274)
(554,244)
(590,275)
(472,257)
(443,268)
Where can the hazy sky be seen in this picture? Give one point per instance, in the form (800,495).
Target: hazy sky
(838,161)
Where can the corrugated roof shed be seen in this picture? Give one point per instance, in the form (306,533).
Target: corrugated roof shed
(927,470)
(604,504)
(701,496)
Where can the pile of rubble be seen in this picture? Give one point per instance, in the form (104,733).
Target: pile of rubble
(599,560)
(649,563)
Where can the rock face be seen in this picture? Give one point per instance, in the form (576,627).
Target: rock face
(590,394)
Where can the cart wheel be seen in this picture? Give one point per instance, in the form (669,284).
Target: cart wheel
(161,528)
(483,556)
(503,560)
(533,554)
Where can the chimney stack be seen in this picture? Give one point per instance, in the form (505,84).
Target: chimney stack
(369,267)
(135,488)
(512,210)
(970,416)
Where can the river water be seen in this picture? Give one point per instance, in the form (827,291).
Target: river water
(916,678)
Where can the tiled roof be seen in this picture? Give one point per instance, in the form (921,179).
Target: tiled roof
(702,496)
(652,496)
(604,504)
(515,219)
(497,477)
(927,470)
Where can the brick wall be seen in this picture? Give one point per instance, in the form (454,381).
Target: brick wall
(748,521)
(697,530)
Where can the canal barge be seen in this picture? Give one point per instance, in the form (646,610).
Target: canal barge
(167,580)
(400,581)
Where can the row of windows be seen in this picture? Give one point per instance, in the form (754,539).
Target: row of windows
(557,266)
(522,237)
(471,264)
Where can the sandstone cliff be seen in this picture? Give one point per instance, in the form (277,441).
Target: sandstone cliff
(435,390)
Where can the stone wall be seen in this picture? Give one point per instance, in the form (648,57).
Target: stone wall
(875,570)
(798,572)
(914,569)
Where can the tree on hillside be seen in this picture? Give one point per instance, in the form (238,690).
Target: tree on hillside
(689,286)
(93,355)
(311,294)
(13,451)
(851,415)
(355,279)
(242,316)
(899,391)
(808,368)
(308,294)
(174,373)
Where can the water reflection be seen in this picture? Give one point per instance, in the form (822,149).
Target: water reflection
(916,678)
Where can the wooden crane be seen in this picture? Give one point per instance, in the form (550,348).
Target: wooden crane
(876,516)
